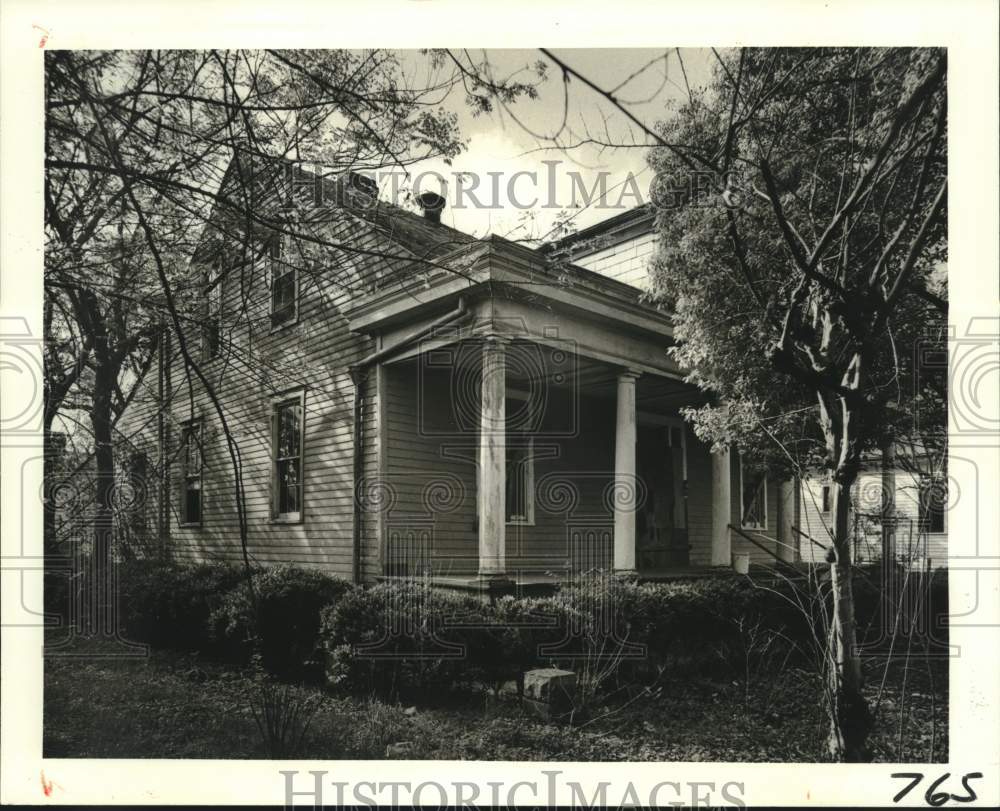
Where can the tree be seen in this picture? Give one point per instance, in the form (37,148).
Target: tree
(139,151)
(802,233)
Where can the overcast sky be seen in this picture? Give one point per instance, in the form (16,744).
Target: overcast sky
(516,140)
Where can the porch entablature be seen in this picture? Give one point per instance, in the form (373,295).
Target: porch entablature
(506,290)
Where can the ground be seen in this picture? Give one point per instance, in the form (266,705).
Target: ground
(170,705)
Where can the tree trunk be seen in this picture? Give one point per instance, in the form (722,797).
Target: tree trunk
(850,718)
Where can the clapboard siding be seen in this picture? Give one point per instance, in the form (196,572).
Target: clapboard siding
(627,261)
(912,544)
(253,366)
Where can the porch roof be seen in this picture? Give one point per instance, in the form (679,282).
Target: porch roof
(513,290)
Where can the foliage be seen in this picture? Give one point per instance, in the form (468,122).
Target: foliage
(168,605)
(783,137)
(280,620)
(282,713)
(395,636)
(151,707)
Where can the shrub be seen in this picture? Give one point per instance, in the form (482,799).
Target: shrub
(401,635)
(167,605)
(284,629)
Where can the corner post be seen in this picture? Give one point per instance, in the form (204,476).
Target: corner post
(626,486)
(492,460)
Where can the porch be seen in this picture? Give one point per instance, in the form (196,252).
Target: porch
(533,432)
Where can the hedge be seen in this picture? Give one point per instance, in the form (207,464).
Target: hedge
(284,628)
(168,605)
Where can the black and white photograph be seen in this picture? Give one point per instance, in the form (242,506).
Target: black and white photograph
(558,405)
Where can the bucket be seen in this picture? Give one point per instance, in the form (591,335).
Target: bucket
(741,563)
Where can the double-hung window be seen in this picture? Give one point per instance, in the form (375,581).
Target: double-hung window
(192,461)
(288,422)
(284,283)
(212,328)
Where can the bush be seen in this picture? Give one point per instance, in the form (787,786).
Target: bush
(167,605)
(284,630)
(397,636)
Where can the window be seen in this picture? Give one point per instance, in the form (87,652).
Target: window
(192,464)
(284,284)
(287,453)
(520,476)
(138,475)
(753,498)
(212,327)
(825,498)
(933,501)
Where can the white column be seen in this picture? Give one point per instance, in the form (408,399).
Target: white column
(492,461)
(721,508)
(787,518)
(626,485)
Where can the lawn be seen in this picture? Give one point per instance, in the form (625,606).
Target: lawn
(172,705)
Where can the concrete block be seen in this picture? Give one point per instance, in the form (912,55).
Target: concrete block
(550,685)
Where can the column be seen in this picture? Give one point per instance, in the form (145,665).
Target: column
(492,461)
(788,541)
(626,484)
(721,508)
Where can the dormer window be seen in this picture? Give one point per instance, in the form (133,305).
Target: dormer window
(284,284)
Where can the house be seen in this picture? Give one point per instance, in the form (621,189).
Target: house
(402,399)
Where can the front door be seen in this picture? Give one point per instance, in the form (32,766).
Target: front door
(661,524)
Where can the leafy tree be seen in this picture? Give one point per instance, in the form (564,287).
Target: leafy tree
(802,222)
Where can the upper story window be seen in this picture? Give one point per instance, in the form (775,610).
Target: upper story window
(753,498)
(288,421)
(192,461)
(212,327)
(933,501)
(284,283)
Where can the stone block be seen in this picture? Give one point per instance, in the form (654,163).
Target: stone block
(550,685)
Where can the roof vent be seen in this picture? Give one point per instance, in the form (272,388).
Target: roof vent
(432,204)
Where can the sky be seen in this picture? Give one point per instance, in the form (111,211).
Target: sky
(517,139)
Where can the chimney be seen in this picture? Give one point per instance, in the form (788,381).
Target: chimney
(432,204)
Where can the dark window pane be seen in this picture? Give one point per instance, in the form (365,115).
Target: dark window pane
(933,498)
(288,431)
(754,496)
(192,501)
(516,492)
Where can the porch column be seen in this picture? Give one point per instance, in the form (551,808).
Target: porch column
(626,485)
(788,545)
(721,508)
(492,461)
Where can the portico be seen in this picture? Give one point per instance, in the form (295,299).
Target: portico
(536,434)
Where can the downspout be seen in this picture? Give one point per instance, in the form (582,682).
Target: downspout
(359,374)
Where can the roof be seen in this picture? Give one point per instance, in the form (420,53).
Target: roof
(606,233)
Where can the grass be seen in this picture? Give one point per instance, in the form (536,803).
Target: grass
(172,705)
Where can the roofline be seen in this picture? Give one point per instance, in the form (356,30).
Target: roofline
(616,225)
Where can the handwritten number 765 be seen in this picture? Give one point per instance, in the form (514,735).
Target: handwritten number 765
(932,796)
